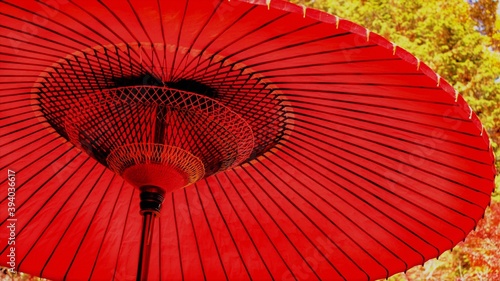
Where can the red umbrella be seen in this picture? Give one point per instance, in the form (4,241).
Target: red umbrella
(279,142)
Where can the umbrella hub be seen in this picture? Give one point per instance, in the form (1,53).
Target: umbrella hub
(163,166)
(159,136)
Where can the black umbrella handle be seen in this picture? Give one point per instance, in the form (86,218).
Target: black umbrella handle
(151,200)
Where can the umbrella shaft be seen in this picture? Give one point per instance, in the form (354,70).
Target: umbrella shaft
(146,240)
(151,200)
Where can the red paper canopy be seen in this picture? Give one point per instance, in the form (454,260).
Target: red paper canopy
(364,161)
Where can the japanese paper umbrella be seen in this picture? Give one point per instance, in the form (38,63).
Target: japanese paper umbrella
(278,142)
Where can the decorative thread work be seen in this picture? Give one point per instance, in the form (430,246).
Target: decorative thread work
(168,157)
(152,117)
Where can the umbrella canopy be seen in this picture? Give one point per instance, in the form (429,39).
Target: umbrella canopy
(311,147)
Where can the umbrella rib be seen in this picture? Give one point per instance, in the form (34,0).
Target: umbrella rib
(23,89)
(302,55)
(229,26)
(32,44)
(83,24)
(382,176)
(30,51)
(195,235)
(15,114)
(203,26)
(121,65)
(112,61)
(310,220)
(154,52)
(389,157)
(274,221)
(242,84)
(22,136)
(389,126)
(388,106)
(140,23)
(211,231)
(36,160)
(100,64)
(290,98)
(92,271)
(423,145)
(345,73)
(14,93)
(235,77)
(130,206)
(90,14)
(359,84)
(295,45)
(72,221)
(92,71)
(12,69)
(56,213)
(355,49)
(117,18)
(379,198)
(88,227)
(364,214)
(260,226)
(210,59)
(306,55)
(60,35)
(290,95)
(15,101)
(184,13)
(36,36)
(238,39)
(118,62)
(160,263)
(386,135)
(258,44)
(342,214)
(241,221)
(336,63)
(324,64)
(23,64)
(292,221)
(76,20)
(29,143)
(38,172)
(72,31)
(227,228)
(79,77)
(188,63)
(380,187)
(16,82)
